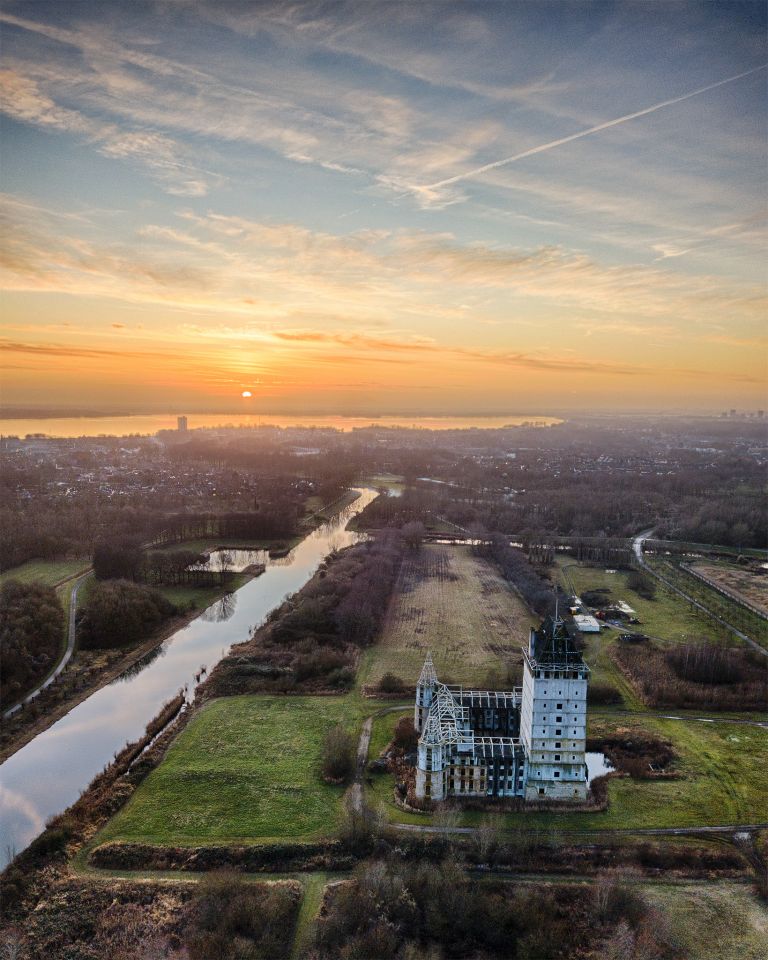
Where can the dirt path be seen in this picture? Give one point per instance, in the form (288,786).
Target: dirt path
(731,828)
(669,716)
(68,651)
(313,885)
(355,792)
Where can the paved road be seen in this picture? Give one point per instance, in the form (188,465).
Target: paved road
(637,546)
(67,655)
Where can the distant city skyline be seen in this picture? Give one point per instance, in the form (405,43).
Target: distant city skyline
(384,208)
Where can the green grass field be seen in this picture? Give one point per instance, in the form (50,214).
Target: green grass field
(666,618)
(392,481)
(49,572)
(733,612)
(189,597)
(724,780)
(245,770)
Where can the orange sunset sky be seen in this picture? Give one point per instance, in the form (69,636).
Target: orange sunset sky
(372,208)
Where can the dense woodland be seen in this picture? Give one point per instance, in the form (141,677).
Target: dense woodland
(603,504)
(62,499)
(31,634)
(117,613)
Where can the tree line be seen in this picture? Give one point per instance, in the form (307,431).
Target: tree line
(537,592)
(313,640)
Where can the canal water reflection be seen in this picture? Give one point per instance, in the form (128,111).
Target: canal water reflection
(51,771)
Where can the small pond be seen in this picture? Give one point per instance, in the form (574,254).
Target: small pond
(597,765)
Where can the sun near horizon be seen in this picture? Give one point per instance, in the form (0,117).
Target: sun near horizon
(452,209)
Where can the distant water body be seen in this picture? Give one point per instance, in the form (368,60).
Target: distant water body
(150,424)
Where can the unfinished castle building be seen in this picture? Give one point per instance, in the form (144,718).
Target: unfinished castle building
(528,742)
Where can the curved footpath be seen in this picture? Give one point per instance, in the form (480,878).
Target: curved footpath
(637,547)
(67,655)
(734,828)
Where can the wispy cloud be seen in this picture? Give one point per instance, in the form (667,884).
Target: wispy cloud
(68,351)
(355,191)
(164,158)
(356,340)
(433,190)
(229,264)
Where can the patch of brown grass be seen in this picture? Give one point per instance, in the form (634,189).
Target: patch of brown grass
(459,607)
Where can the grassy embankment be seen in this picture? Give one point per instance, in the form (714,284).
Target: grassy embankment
(723,921)
(247,769)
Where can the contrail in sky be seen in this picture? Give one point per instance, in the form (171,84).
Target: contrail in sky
(585,133)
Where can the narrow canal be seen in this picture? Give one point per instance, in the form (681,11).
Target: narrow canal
(51,771)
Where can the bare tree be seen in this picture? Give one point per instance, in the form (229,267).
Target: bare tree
(413,534)
(486,838)
(447,817)
(11,945)
(223,564)
(338,754)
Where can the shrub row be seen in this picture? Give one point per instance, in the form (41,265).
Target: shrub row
(652,671)
(312,641)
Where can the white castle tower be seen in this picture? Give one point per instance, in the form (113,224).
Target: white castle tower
(425,691)
(553,715)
